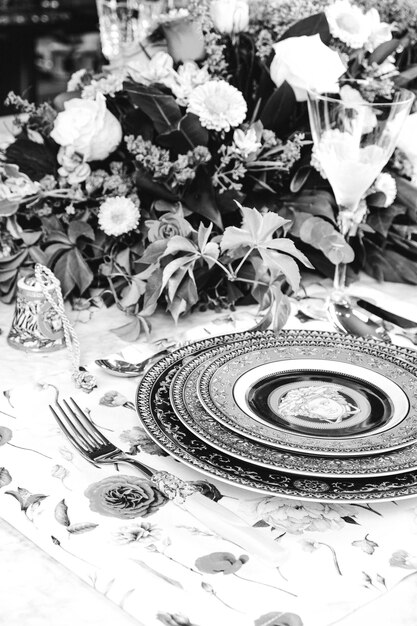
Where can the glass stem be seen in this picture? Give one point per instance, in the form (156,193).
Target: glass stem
(339,280)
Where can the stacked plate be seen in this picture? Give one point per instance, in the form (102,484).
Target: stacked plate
(306,415)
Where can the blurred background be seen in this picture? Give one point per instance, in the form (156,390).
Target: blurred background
(42,42)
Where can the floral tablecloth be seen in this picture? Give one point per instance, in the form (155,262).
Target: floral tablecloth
(340,564)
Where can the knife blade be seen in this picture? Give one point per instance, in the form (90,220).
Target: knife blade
(388,316)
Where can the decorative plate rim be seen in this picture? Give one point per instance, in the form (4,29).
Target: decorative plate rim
(196,418)
(235,419)
(148,415)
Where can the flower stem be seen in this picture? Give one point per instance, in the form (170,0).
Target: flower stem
(332,550)
(256,582)
(29,450)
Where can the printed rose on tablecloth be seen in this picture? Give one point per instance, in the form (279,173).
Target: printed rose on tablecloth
(124,497)
(296,518)
(88,127)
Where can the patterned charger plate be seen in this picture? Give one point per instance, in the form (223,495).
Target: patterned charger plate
(161,422)
(327,395)
(193,415)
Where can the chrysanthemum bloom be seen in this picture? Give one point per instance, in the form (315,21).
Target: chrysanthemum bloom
(218,105)
(355,28)
(118,216)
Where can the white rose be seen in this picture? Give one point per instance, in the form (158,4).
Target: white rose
(88,127)
(230,16)
(306,64)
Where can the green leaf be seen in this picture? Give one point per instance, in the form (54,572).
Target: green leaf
(72,270)
(407,195)
(200,198)
(184,262)
(288,246)
(279,109)
(152,293)
(30,237)
(407,76)
(77,229)
(319,203)
(380,219)
(388,265)
(383,51)
(154,251)
(281,264)
(300,178)
(188,134)
(160,107)
(313,25)
(178,243)
(14,261)
(282,310)
(8,208)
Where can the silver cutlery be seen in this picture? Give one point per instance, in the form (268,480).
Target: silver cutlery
(96,448)
(387,316)
(122,368)
(348,320)
(355,320)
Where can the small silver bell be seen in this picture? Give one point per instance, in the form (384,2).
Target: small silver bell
(36,326)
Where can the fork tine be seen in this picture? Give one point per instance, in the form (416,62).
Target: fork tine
(89,425)
(73,441)
(77,426)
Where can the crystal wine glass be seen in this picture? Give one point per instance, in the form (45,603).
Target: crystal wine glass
(124,24)
(353,141)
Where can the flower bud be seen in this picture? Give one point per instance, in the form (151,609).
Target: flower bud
(230,16)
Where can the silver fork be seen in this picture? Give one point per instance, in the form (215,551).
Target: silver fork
(96,448)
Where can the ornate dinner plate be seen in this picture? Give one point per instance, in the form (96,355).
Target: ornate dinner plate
(327,395)
(161,422)
(194,416)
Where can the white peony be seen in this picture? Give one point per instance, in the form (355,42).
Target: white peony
(407,142)
(306,64)
(355,28)
(158,69)
(118,216)
(246,143)
(88,127)
(230,16)
(218,105)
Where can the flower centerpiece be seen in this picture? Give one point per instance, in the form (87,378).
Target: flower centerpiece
(187,178)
